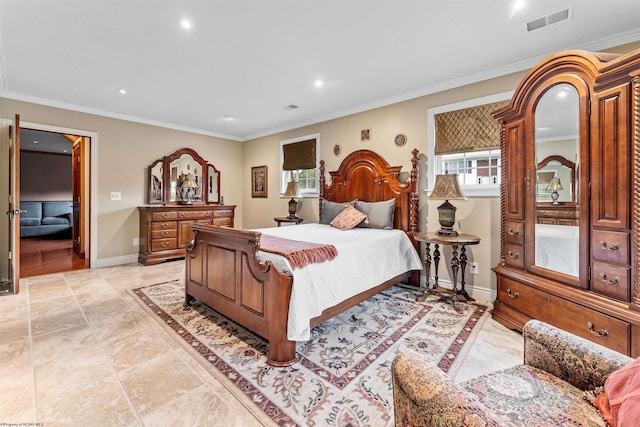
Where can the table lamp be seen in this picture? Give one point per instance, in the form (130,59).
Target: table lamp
(294,192)
(187,189)
(447,188)
(554,185)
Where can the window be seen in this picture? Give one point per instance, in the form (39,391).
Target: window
(479,171)
(303,151)
(474,168)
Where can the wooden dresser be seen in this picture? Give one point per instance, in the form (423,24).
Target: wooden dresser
(578,266)
(164,230)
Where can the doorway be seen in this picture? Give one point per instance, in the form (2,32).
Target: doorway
(54,183)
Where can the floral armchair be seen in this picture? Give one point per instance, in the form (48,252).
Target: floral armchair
(552,387)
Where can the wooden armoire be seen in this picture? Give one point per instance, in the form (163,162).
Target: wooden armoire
(570,141)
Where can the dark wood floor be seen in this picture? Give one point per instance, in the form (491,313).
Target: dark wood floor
(43,256)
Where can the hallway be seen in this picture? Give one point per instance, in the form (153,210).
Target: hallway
(44,256)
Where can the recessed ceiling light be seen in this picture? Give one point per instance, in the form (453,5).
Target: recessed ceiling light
(122,91)
(318,83)
(186,23)
(228,118)
(515,6)
(35,142)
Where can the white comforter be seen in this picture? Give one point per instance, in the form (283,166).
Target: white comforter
(366,258)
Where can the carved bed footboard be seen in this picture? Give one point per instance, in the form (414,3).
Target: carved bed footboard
(222,272)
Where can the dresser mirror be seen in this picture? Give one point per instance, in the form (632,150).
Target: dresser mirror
(183,178)
(557,147)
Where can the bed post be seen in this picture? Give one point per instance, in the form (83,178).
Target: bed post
(322,183)
(415,197)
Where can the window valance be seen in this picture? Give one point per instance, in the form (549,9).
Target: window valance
(299,155)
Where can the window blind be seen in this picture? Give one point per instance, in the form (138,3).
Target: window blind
(299,155)
(468,129)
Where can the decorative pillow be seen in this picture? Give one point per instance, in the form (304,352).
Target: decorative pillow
(619,404)
(379,214)
(348,218)
(330,210)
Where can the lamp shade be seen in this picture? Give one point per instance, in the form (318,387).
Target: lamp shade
(292,190)
(447,187)
(555,184)
(188,182)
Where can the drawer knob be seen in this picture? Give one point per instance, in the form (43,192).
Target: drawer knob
(602,333)
(512,296)
(606,281)
(613,247)
(164,233)
(165,215)
(514,256)
(164,244)
(512,232)
(164,225)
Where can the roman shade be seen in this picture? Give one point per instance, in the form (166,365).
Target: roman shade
(299,155)
(468,129)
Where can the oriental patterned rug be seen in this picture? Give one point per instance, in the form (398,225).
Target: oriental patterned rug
(343,377)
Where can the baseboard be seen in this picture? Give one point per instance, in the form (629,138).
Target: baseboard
(117,260)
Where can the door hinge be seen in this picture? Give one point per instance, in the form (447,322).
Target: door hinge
(10,256)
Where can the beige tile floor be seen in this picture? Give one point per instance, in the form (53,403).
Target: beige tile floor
(77,349)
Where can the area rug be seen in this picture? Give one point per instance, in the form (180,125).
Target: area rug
(343,376)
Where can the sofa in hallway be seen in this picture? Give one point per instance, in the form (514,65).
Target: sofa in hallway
(555,386)
(45,219)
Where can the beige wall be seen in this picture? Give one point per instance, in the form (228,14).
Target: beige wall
(124,151)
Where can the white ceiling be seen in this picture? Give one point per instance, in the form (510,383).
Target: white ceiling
(250,59)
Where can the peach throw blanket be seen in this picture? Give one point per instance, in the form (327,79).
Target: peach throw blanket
(298,253)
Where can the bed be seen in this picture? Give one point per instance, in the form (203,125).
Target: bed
(227,270)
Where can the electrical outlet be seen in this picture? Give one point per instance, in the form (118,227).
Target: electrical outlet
(116,195)
(473,267)
(136,241)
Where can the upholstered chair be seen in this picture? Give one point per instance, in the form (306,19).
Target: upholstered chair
(560,375)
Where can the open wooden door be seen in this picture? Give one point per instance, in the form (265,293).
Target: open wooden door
(10,284)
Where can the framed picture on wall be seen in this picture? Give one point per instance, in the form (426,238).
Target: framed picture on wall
(259,181)
(365,135)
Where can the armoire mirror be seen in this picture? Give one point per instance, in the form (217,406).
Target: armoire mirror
(557,153)
(184,178)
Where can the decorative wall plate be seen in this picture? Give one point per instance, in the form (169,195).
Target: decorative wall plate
(337,149)
(400,139)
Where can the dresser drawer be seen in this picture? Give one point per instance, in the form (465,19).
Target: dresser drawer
(611,280)
(194,214)
(227,222)
(163,244)
(165,225)
(514,255)
(610,246)
(163,234)
(161,216)
(514,232)
(222,212)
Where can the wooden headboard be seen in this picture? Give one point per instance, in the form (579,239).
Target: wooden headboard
(367,176)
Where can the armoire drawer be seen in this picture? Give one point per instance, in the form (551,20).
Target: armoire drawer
(610,246)
(611,280)
(564,314)
(514,232)
(514,255)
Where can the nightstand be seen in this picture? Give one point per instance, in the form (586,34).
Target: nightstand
(286,219)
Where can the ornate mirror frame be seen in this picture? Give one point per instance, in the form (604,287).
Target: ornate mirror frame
(183,178)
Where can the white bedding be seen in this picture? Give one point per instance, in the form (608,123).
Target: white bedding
(366,258)
(557,248)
